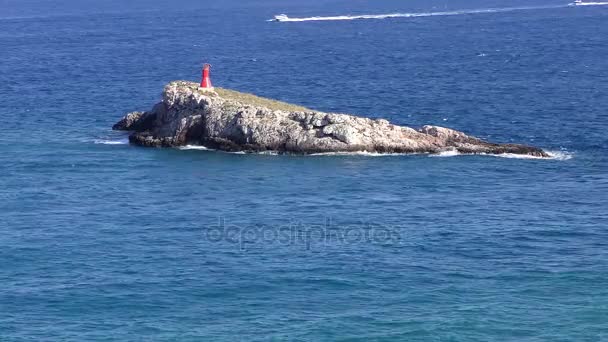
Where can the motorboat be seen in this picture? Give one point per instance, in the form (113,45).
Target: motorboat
(281,17)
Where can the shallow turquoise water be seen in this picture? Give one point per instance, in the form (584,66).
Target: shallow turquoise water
(106,241)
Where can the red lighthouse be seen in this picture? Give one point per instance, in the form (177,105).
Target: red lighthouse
(206,80)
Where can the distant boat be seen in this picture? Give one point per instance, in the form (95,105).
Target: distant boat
(585,3)
(284,17)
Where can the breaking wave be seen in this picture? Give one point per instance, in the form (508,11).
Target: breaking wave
(285,18)
(451,153)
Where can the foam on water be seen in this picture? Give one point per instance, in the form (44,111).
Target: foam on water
(516,156)
(560,155)
(285,18)
(111,142)
(203,148)
(554,155)
(361,153)
(451,153)
(274,153)
(195,147)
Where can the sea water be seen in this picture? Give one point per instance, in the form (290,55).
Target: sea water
(101,240)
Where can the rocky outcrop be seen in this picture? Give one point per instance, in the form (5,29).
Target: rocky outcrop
(231,121)
(131,122)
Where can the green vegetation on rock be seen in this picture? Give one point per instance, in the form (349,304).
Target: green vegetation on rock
(247,99)
(257,101)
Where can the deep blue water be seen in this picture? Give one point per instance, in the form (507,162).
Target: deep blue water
(103,241)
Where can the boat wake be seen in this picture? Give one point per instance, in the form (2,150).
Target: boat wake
(577,3)
(285,18)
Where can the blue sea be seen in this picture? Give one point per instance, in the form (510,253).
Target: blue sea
(104,241)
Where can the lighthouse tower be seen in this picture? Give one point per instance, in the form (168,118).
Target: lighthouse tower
(206,78)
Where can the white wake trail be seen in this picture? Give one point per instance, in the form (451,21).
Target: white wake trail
(285,18)
(592,4)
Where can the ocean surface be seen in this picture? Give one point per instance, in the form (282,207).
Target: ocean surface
(103,241)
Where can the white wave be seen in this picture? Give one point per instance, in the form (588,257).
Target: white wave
(203,148)
(111,142)
(553,155)
(285,18)
(195,147)
(515,156)
(361,153)
(560,155)
(450,153)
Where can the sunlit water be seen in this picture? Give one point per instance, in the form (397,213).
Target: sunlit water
(101,240)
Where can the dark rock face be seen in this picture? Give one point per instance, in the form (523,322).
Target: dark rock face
(136,121)
(188,115)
